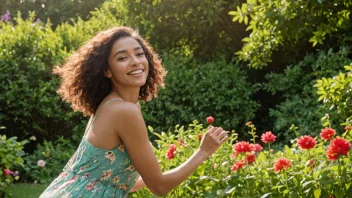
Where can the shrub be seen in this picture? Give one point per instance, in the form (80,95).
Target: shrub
(194,90)
(48,160)
(11,152)
(299,104)
(29,104)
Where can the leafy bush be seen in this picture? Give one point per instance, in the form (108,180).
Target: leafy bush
(310,168)
(288,26)
(299,104)
(29,104)
(194,90)
(11,152)
(47,160)
(336,94)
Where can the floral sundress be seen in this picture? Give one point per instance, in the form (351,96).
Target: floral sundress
(94,172)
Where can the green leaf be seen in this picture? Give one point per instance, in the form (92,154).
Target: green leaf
(317,193)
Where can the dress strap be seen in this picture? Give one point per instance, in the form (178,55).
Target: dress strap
(95,117)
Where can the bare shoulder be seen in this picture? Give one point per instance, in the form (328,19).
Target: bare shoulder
(124,114)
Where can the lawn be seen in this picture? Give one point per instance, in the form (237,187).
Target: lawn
(27,190)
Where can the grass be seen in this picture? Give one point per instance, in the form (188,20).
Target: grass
(27,190)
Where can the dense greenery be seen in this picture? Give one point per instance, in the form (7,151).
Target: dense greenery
(230,172)
(288,26)
(55,11)
(195,90)
(299,104)
(29,104)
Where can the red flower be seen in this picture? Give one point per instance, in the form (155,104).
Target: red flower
(242,147)
(170,154)
(180,142)
(347,128)
(268,137)
(331,154)
(306,142)
(210,120)
(199,136)
(256,147)
(281,163)
(238,165)
(331,196)
(327,133)
(250,158)
(340,146)
(311,162)
(172,147)
(7,171)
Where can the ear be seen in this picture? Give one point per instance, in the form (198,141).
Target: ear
(107,73)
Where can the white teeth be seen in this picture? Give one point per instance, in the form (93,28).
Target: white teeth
(136,72)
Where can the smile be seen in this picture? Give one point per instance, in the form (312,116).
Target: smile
(135,72)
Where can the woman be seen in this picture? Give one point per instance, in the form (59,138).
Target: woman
(105,79)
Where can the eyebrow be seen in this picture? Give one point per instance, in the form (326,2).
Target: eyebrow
(124,51)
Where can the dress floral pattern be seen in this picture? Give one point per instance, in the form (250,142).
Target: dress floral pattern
(94,172)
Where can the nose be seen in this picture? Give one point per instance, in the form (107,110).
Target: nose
(135,61)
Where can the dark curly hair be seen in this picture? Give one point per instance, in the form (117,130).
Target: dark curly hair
(83,81)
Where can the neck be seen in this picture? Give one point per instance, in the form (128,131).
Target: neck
(129,94)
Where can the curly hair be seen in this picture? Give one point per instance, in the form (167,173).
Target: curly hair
(84,84)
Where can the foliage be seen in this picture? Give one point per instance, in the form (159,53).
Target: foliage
(47,161)
(11,152)
(29,104)
(336,93)
(288,25)
(299,105)
(57,11)
(311,174)
(199,28)
(195,90)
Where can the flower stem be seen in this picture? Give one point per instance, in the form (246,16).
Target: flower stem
(286,179)
(340,174)
(269,153)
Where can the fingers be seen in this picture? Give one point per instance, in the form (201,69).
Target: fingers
(224,139)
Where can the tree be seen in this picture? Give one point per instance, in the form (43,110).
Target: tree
(287,25)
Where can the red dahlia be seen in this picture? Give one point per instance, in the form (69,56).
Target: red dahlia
(281,164)
(327,133)
(268,137)
(306,142)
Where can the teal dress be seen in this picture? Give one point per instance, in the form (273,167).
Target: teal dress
(94,172)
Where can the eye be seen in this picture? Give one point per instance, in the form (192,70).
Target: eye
(140,54)
(121,58)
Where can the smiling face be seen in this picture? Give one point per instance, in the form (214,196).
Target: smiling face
(128,65)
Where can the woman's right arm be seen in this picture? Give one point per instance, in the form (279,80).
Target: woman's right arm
(131,128)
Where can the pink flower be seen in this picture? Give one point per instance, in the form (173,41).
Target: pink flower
(7,172)
(256,147)
(268,137)
(41,163)
(180,142)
